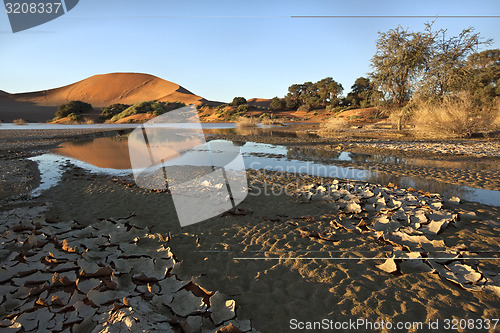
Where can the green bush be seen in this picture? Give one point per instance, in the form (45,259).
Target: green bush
(77,107)
(155,108)
(75,117)
(243,108)
(238,101)
(278,103)
(112,110)
(304,107)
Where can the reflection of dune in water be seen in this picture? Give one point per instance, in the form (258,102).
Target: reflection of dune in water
(102,152)
(113,153)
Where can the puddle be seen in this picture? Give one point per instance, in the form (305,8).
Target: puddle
(109,155)
(41,126)
(332,156)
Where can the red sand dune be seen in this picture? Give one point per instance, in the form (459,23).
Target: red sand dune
(259,102)
(98,90)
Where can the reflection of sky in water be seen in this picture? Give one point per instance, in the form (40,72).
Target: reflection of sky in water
(51,167)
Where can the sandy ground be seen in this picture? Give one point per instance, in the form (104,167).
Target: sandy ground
(325,239)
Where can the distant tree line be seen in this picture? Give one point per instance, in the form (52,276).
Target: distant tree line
(409,65)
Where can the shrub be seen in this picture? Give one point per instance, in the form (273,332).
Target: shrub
(455,116)
(112,110)
(76,107)
(19,121)
(155,108)
(333,126)
(305,108)
(74,117)
(238,101)
(277,103)
(243,108)
(246,122)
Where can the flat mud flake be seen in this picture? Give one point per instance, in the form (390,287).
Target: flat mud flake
(416,242)
(63,296)
(171,285)
(353,207)
(91,269)
(64,279)
(106,297)
(185,303)
(443,257)
(461,274)
(87,285)
(442,216)
(23,269)
(84,310)
(455,200)
(123,282)
(28,321)
(434,228)
(56,323)
(384,224)
(5,275)
(388,266)
(144,270)
(414,266)
(6,289)
(192,324)
(221,308)
(419,217)
(76,297)
(393,203)
(65,267)
(87,325)
(400,215)
(36,240)
(21,293)
(123,266)
(159,300)
(377,200)
(436,205)
(229,328)
(36,278)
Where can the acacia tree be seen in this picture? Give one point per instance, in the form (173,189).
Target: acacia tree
(401,57)
(446,70)
(363,93)
(428,62)
(484,69)
(319,94)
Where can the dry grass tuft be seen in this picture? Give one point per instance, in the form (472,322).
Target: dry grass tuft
(269,121)
(454,117)
(333,126)
(246,122)
(19,121)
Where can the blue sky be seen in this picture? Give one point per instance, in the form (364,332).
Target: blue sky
(219,49)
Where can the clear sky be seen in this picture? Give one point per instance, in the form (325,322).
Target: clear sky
(220,49)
